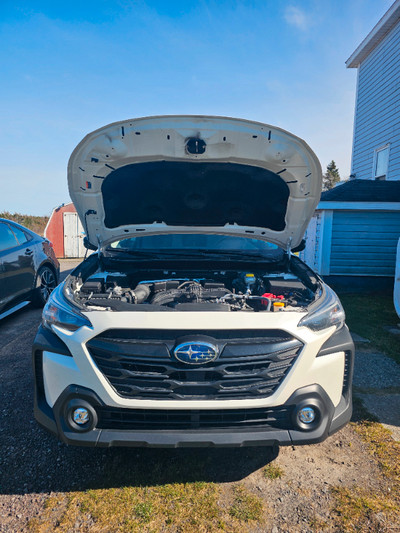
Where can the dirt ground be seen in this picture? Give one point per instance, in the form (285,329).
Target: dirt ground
(34,465)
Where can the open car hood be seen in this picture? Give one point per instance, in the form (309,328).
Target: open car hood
(194,174)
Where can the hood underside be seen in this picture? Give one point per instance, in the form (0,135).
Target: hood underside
(193,174)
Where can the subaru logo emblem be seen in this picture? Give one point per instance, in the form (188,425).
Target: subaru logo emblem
(193,353)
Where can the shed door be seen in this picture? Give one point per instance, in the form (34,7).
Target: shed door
(73,236)
(364,243)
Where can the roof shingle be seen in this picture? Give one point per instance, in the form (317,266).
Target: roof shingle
(358,190)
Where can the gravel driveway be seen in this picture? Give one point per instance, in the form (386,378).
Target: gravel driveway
(33,464)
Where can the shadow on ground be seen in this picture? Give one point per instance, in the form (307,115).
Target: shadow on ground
(31,460)
(37,462)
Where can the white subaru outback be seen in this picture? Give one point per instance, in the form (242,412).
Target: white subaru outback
(194,323)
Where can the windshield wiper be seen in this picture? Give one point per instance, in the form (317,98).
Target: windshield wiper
(135,253)
(235,253)
(156,254)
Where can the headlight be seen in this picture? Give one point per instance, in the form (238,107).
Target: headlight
(57,311)
(327,312)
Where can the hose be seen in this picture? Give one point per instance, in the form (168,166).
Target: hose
(141,293)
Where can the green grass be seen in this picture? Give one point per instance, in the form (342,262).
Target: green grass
(272,471)
(360,510)
(190,507)
(246,506)
(368,315)
(178,507)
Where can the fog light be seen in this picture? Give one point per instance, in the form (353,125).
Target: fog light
(81,416)
(307,415)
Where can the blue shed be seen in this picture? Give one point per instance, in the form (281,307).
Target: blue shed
(352,238)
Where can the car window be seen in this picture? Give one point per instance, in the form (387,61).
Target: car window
(198,242)
(7,237)
(21,236)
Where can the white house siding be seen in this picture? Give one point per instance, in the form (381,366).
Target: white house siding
(377,116)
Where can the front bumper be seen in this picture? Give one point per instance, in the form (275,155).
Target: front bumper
(330,418)
(56,421)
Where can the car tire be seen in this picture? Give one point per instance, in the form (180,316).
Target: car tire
(46,282)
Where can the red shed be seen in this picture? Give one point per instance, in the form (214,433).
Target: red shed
(65,231)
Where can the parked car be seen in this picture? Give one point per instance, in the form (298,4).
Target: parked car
(29,269)
(194,324)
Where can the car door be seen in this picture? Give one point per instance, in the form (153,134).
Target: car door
(27,250)
(16,272)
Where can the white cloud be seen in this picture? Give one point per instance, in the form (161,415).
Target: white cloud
(296,17)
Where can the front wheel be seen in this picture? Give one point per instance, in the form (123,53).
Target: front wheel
(45,284)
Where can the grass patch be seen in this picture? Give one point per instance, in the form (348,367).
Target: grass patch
(362,509)
(153,491)
(272,471)
(189,507)
(384,449)
(318,524)
(368,315)
(144,511)
(246,506)
(179,507)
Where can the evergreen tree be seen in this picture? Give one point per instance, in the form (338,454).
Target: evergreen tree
(331,176)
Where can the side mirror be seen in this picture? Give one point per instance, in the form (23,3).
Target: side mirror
(87,244)
(300,247)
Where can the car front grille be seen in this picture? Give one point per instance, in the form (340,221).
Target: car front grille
(140,363)
(166,419)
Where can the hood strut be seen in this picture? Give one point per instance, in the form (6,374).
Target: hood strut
(288,246)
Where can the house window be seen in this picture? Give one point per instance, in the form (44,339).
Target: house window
(381,163)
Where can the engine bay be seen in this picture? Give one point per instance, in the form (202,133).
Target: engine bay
(188,290)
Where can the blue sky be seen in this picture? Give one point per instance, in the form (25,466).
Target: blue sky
(67,68)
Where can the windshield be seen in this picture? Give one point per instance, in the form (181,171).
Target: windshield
(198,242)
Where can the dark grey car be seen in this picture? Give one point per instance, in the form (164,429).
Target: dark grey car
(29,269)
